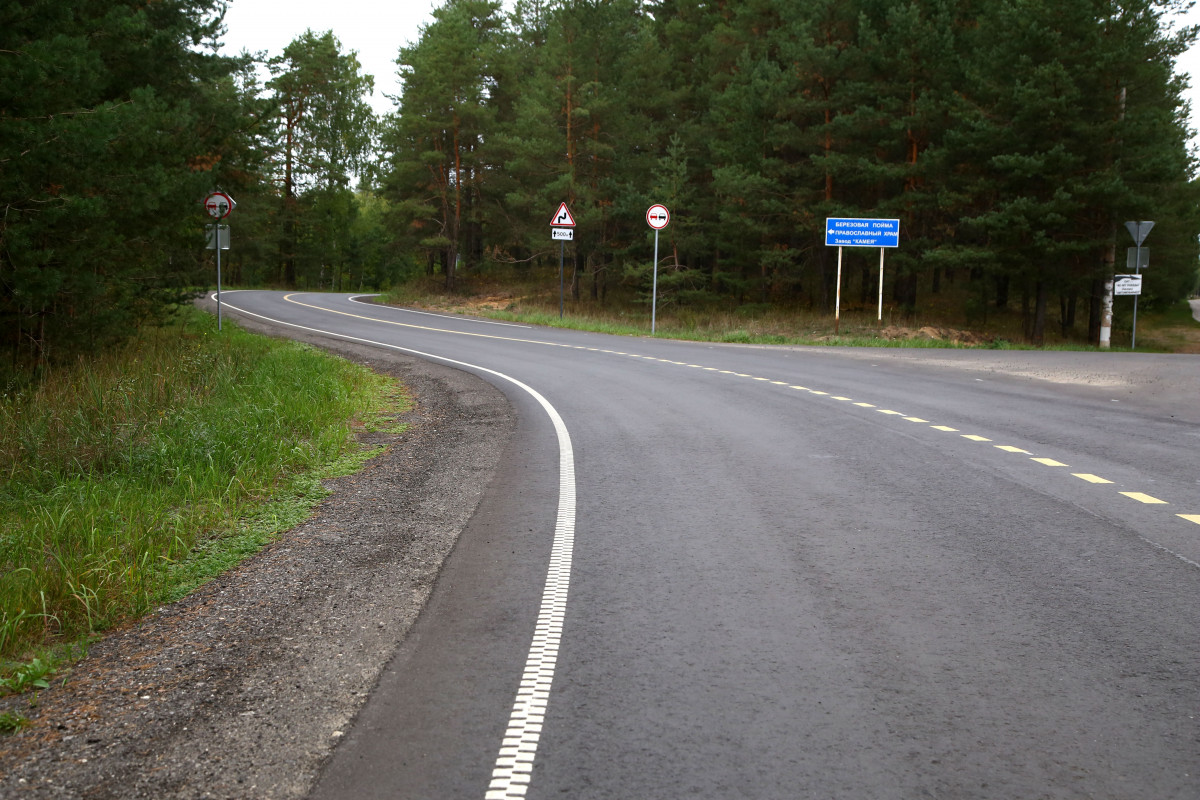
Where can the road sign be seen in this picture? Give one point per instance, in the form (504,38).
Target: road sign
(855,232)
(212,236)
(1139,230)
(658,217)
(218,205)
(1132,255)
(1127,285)
(562,233)
(563,217)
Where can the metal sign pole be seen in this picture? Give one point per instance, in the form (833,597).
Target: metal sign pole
(1137,268)
(837,303)
(654,292)
(881,252)
(1139,230)
(217,231)
(562,246)
(218,205)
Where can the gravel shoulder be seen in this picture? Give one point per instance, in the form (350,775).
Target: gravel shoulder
(1166,385)
(245,687)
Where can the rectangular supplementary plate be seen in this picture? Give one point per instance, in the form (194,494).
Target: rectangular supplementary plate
(857,232)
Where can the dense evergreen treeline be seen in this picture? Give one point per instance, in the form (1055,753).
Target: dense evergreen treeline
(110,123)
(1012,138)
(117,118)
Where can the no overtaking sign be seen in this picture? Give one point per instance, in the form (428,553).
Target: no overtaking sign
(218,205)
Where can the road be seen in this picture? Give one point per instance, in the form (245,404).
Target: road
(792,573)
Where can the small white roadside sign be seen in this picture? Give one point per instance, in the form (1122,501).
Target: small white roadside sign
(1127,285)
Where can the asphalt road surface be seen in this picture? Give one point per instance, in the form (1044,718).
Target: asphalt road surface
(712,571)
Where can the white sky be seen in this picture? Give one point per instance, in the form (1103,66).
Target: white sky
(377,29)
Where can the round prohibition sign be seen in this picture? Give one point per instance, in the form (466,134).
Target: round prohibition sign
(218,205)
(657,216)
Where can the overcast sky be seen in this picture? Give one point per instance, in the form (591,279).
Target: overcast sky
(377,29)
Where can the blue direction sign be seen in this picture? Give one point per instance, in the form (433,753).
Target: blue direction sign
(850,232)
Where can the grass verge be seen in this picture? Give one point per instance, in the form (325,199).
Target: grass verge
(524,300)
(748,324)
(134,478)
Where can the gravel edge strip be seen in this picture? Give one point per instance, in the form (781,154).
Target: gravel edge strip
(244,688)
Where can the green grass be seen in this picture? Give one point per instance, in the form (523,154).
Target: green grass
(952,318)
(130,480)
(11,722)
(1172,329)
(752,324)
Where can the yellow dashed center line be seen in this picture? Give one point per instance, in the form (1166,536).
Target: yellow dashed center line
(1049,462)
(1145,498)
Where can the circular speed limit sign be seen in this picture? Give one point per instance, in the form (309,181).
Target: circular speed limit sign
(657,217)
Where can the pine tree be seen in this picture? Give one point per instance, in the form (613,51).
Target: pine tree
(325,132)
(107,146)
(435,175)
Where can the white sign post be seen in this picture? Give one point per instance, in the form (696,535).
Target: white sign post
(657,217)
(563,229)
(219,205)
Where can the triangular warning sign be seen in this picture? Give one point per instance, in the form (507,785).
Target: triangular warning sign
(562,218)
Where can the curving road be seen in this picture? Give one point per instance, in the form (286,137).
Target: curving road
(792,573)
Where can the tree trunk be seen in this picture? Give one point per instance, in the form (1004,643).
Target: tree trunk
(1095,309)
(1038,334)
(904,292)
(1002,292)
(1066,305)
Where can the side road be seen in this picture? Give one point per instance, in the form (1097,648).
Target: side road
(244,688)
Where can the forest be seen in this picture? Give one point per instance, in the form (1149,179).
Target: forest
(1011,138)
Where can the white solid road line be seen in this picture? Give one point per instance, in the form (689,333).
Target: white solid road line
(514,763)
